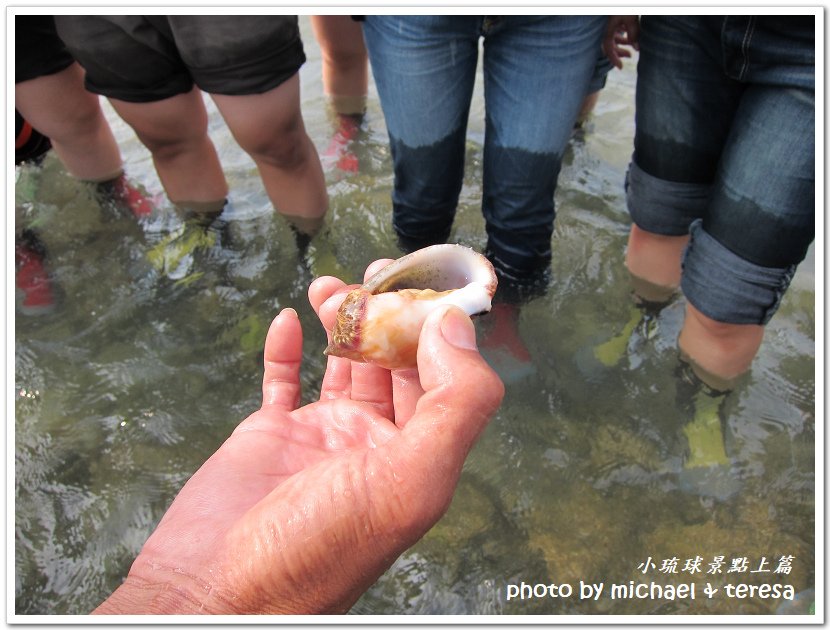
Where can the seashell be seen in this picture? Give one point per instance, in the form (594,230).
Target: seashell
(380,322)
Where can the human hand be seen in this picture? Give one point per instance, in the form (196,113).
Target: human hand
(303,508)
(621,31)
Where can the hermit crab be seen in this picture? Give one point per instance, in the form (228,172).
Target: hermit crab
(380,321)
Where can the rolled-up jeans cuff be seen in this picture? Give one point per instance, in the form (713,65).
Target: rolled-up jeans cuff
(663,207)
(727,288)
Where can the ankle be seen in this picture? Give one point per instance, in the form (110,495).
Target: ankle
(647,292)
(348,106)
(708,382)
(113,179)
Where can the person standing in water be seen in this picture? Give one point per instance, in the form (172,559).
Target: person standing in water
(54,112)
(537,72)
(345,75)
(153,70)
(721,190)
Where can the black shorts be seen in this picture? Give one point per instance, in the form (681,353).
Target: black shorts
(149,58)
(38,51)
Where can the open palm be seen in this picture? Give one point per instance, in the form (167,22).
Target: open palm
(303,508)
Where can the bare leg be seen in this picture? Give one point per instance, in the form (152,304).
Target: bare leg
(588,105)
(175,132)
(654,263)
(269,127)
(345,62)
(718,352)
(59,107)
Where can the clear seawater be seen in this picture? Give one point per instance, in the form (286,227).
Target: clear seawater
(152,356)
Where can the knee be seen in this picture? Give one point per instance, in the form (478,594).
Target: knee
(655,258)
(79,123)
(711,328)
(171,147)
(165,142)
(88,114)
(287,148)
(720,351)
(729,335)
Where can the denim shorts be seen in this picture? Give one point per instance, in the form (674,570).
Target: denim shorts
(38,51)
(725,147)
(149,58)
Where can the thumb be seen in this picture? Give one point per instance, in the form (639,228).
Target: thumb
(461,392)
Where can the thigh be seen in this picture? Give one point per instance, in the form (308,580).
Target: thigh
(168,122)
(261,121)
(57,104)
(763,202)
(238,54)
(424,70)
(537,70)
(775,50)
(685,102)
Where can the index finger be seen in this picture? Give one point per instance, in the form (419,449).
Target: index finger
(282,358)
(376,266)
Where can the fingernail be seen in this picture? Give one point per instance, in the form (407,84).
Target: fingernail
(458,330)
(289,311)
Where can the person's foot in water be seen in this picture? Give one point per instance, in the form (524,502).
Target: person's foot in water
(339,153)
(128,196)
(707,468)
(202,228)
(642,325)
(31,147)
(32,282)
(502,346)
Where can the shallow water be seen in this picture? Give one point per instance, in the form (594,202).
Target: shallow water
(153,352)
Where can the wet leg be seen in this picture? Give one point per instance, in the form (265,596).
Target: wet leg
(175,132)
(60,108)
(535,69)
(269,127)
(345,76)
(345,62)
(718,352)
(653,260)
(424,69)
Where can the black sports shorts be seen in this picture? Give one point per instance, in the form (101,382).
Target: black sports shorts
(38,51)
(144,58)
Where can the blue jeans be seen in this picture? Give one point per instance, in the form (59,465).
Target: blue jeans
(725,147)
(537,70)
